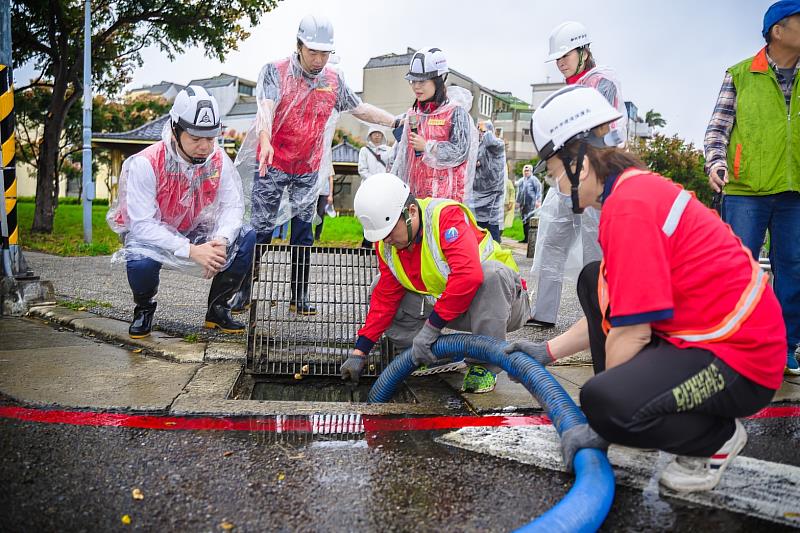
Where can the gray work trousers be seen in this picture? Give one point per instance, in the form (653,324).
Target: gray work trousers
(500,305)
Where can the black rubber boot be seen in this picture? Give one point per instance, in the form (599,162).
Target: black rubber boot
(142,322)
(218,315)
(241,299)
(301,268)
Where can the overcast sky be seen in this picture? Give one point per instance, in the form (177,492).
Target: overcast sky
(670,56)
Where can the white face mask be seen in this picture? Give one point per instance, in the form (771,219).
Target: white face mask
(564,198)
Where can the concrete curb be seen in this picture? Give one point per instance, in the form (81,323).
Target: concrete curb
(116,331)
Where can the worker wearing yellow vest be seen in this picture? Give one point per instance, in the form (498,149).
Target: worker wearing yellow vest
(437,269)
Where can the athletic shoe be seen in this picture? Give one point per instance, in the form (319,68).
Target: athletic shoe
(690,474)
(440,368)
(792,368)
(539,323)
(478,380)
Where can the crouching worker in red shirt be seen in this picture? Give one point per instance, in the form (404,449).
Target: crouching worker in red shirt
(685,332)
(437,269)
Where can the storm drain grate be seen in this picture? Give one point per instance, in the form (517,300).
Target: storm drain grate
(336,281)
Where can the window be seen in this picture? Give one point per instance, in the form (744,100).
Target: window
(245,89)
(485,105)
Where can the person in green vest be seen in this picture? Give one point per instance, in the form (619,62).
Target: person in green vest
(752,148)
(437,269)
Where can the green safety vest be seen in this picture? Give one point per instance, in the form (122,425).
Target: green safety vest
(764,147)
(433,265)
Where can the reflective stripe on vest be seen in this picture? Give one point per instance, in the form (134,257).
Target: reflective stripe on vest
(433,266)
(728,325)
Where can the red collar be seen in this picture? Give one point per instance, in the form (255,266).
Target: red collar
(572,80)
(760,61)
(427,107)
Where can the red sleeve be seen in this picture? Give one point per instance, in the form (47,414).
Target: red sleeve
(638,272)
(460,246)
(383,305)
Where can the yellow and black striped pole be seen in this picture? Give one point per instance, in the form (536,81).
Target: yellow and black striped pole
(11,257)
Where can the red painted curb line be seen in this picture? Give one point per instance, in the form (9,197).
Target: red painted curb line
(303,424)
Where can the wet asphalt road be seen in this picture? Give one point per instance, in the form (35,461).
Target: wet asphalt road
(74,478)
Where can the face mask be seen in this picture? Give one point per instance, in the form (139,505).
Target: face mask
(564,198)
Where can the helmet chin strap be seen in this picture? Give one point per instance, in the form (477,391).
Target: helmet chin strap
(580,63)
(574,177)
(409,231)
(193,160)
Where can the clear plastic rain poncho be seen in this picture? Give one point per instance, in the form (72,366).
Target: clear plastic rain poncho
(446,168)
(165,204)
(605,80)
(565,241)
(529,192)
(489,185)
(299,111)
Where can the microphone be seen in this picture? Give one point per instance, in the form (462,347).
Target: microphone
(716,201)
(413,123)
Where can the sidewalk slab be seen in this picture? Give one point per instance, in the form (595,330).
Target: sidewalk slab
(83,374)
(170,347)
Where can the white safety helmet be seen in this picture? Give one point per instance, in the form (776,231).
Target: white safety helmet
(316,32)
(196,112)
(569,112)
(427,64)
(565,38)
(378,204)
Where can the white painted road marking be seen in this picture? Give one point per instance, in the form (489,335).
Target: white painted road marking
(762,489)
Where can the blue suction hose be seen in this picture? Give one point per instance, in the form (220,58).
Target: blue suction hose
(586,505)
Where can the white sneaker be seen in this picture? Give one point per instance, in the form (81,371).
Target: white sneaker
(690,474)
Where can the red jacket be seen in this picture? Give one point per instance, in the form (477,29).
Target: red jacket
(466,276)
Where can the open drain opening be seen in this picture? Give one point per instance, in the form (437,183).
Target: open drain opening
(318,389)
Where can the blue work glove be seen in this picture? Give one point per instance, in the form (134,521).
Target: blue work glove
(421,352)
(537,350)
(576,438)
(352,368)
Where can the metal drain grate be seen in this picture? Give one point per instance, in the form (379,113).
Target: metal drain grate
(282,340)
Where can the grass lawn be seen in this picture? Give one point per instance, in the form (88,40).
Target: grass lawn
(67,236)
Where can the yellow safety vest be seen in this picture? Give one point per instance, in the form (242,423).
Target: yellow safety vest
(433,265)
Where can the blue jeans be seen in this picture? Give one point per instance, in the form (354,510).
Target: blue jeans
(750,217)
(143,274)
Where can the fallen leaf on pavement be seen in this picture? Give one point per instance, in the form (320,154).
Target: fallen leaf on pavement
(137,494)
(126,519)
(281,476)
(227,526)
(227,454)
(137,350)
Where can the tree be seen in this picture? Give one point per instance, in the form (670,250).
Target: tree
(339,136)
(50,35)
(673,158)
(107,116)
(654,119)
(519,165)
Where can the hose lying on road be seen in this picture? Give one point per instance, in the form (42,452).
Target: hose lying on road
(586,505)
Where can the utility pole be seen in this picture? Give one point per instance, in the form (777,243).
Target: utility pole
(9,233)
(19,288)
(88,184)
